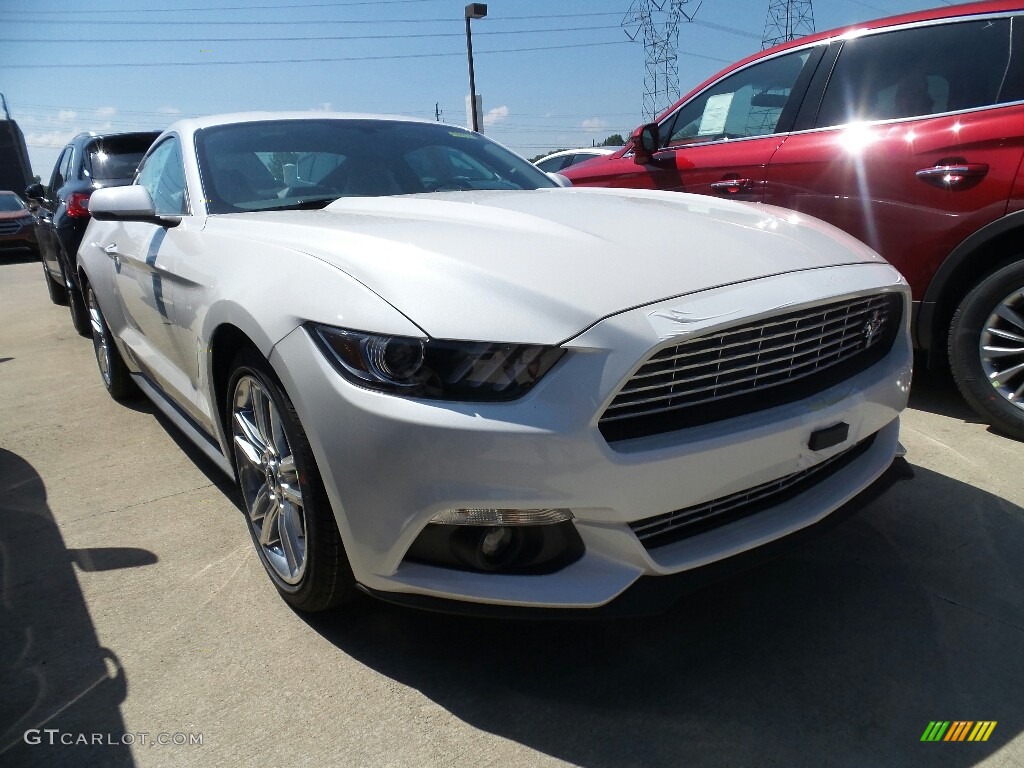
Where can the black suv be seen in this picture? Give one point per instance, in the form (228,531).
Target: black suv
(90,161)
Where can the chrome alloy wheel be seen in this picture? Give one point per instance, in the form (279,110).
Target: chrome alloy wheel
(100,341)
(269,479)
(1001,347)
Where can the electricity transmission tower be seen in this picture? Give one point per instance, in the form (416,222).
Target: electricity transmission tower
(787,20)
(659,21)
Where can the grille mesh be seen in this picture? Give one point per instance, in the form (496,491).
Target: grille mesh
(754,366)
(684,523)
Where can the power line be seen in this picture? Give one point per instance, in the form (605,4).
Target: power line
(34,20)
(120,64)
(93,41)
(214,9)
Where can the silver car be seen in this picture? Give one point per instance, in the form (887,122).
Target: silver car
(442,378)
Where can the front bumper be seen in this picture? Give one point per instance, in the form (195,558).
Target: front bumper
(651,595)
(17,237)
(390,464)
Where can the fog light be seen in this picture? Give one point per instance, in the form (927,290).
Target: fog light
(495,541)
(502,517)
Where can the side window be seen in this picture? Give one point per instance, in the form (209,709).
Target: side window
(1013,85)
(748,103)
(919,71)
(552,164)
(163,175)
(58,178)
(68,169)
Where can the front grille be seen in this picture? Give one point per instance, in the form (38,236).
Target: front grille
(753,367)
(684,523)
(9,227)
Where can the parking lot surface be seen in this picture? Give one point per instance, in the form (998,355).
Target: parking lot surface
(138,628)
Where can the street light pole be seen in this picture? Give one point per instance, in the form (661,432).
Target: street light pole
(473,11)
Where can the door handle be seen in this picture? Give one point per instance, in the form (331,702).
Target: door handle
(952,175)
(110,249)
(730,186)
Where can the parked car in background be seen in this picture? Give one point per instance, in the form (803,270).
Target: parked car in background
(89,162)
(906,132)
(438,375)
(556,161)
(17,224)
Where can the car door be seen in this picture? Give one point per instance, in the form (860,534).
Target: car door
(146,256)
(720,141)
(908,148)
(46,235)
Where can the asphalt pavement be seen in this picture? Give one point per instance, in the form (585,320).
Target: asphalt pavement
(137,627)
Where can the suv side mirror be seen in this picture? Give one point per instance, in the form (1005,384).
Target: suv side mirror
(35,191)
(645,141)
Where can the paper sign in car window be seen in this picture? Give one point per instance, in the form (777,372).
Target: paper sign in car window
(716,111)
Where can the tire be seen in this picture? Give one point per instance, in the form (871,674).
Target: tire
(76,303)
(113,371)
(58,294)
(287,510)
(986,349)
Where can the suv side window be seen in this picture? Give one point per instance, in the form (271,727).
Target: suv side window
(163,175)
(60,171)
(748,103)
(918,71)
(1013,86)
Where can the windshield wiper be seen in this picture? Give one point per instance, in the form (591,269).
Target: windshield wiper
(305,205)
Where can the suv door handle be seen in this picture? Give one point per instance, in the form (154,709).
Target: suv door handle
(952,175)
(730,186)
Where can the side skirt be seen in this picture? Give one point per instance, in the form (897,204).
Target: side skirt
(195,433)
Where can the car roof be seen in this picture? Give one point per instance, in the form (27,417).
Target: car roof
(191,124)
(596,150)
(933,14)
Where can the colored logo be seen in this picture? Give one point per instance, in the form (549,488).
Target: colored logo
(958,730)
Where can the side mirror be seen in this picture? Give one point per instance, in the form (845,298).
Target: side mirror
(35,191)
(132,203)
(560,180)
(645,141)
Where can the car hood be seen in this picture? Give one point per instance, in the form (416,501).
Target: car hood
(541,266)
(12,215)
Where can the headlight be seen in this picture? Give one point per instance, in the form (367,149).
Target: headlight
(440,370)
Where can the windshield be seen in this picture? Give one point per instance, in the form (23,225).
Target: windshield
(10,203)
(308,163)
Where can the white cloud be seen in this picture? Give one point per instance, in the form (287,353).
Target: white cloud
(594,124)
(106,111)
(55,138)
(324,106)
(496,115)
(169,111)
(66,114)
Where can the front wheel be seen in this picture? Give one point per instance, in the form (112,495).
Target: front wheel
(287,510)
(986,349)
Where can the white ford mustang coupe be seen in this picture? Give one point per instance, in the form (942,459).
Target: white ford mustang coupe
(443,378)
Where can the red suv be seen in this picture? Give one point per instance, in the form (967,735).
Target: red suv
(906,132)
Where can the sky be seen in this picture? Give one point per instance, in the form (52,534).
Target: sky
(551,74)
